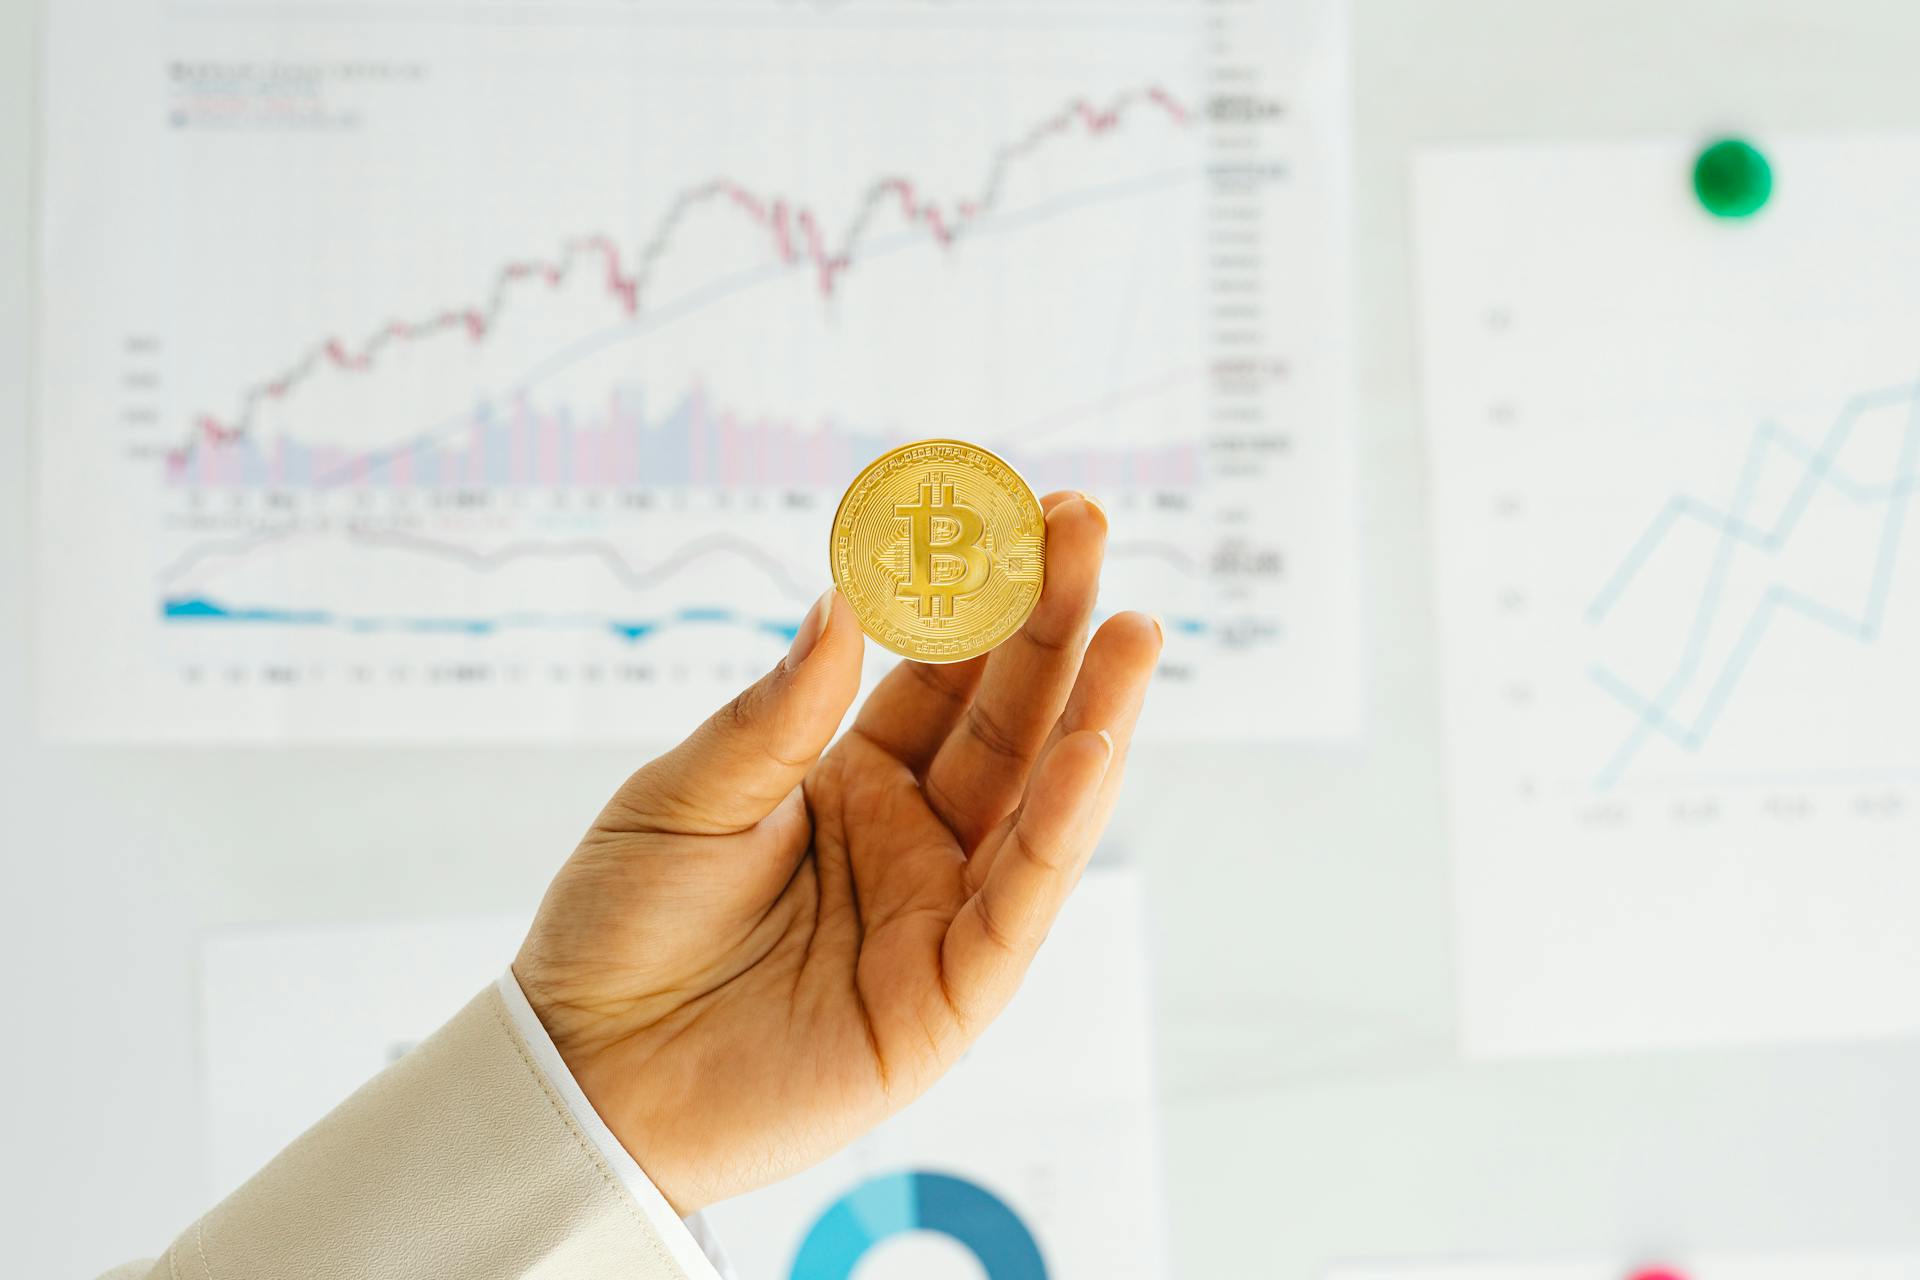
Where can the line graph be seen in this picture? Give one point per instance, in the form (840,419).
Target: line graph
(502,383)
(638,576)
(793,230)
(1674,481)
(184,463)
(633,575)
(1819,469)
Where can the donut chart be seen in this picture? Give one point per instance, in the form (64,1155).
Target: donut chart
(917,1200)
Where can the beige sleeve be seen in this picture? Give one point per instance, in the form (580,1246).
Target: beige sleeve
(459,1160)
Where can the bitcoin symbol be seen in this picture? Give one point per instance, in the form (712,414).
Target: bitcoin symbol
(944,556)
(927,525)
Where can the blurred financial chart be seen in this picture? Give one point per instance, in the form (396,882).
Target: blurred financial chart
(1673,458)
(479,371)
(454,371)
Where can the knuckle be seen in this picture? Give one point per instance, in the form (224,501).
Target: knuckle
(747,725)
(1025,849)
(990,925)
(740,711)
(986,728)
(788,758)
(930,678)
(1051,640)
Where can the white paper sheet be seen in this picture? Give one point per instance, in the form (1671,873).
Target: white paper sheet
(1672,457)
(491,371)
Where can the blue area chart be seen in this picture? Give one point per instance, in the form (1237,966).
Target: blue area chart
(206,611)
(203,610)
(897,1203)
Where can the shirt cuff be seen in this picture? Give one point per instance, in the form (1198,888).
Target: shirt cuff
(689,1240)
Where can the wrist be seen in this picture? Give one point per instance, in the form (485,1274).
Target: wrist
(622,1097)
(691,1248)
(611,1082)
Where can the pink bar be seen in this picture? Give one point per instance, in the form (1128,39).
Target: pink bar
(548,432)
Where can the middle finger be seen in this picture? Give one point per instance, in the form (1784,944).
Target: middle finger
(979,772)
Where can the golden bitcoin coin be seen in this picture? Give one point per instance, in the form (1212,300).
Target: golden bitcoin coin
(940,547)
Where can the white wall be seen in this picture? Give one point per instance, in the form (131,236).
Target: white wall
(1299,898)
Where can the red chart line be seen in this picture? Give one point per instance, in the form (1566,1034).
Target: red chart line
(793,230)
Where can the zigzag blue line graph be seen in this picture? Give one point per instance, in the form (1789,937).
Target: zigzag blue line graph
(1655,714)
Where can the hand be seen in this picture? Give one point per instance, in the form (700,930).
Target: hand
(759,952)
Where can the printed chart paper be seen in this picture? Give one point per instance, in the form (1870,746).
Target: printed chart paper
(1673,456)
(491,372)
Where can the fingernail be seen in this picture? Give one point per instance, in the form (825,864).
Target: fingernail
(1097,505)
(1108,739)
(1159,628)
(810,630)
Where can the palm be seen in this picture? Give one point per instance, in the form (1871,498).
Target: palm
(755,955)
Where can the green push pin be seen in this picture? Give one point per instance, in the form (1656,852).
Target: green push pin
(1732,179)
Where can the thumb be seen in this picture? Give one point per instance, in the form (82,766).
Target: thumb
(750,754)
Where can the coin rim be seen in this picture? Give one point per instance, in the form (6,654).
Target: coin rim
(833,560)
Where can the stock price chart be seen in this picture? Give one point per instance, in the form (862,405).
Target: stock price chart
(1674,456)
(464,372)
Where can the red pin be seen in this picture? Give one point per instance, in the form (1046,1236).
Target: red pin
(1658,1273)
